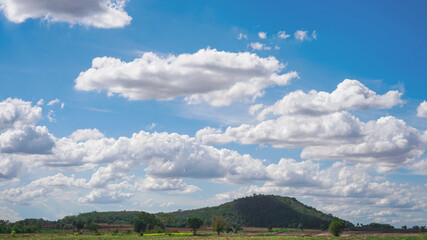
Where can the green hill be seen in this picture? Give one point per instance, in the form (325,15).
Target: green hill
(253,211)
(259,211)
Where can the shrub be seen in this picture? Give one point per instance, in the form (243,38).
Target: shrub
(336,227)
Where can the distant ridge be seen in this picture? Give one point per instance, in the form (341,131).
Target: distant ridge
(260,211)
(251,211)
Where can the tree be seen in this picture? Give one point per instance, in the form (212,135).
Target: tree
(79,223)
(323,227)
(404,227)
(218,224)
(422,229)
(336,227)
(167,219)
(146,221)
(300,227)
(194,223)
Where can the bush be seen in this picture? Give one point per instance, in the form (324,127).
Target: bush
(336,227)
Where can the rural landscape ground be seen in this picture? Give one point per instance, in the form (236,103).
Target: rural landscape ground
(206,233)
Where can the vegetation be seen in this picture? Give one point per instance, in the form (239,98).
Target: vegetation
(259,211)
(336,227)
(145,221)
(195,223)
(218,224)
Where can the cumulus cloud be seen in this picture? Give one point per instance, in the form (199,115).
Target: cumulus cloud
(40,189)
(216,77)
(302,35)
(388,141)
(289,131)
(173,185)
(18,131)
(99,196)
(93,13)
(259,46)
(349,95)
(422,110)
(8,167)
(262,35)
(165,155)
(16,113)
(283,35)
(86,134)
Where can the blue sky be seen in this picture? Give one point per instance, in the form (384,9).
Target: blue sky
(159,106)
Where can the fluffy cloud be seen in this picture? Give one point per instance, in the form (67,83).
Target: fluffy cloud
(8,167)
(283,35)
(262,35)
(40,189)
(94,13)
(86,134)
(349,95)
(304,35)
(165,155)
(217,77)
(289,131)
(388,141)
(16,113)
(174,185)
(29,139)
(99,196)
(422,110)
(18,131)
(259,46)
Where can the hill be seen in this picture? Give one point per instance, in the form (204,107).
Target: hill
(253,211)
(259,211)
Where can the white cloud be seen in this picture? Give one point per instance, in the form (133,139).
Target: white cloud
(93,13)
(314,35)
(259,46)
(9,214)
(262,35)
(173,185)
(349,95)
(283,35)
(41,189)
(18,131)
(419,167)
(99,196)
(53,102)
(216,77)
(255,108)
(8,167)
(242,36)
(86,134)
(289,131)
(301,35)
(387,141)
(40,102)
(422,110)
(16,113)
(28,139)
(304,35)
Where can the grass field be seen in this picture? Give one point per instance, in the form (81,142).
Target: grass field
(207,234)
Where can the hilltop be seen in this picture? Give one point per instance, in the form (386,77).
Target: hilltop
(259,211)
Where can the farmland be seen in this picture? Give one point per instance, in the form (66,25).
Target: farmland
(207,233)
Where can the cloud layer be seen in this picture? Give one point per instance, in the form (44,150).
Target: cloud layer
(212,76)
(93,13)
